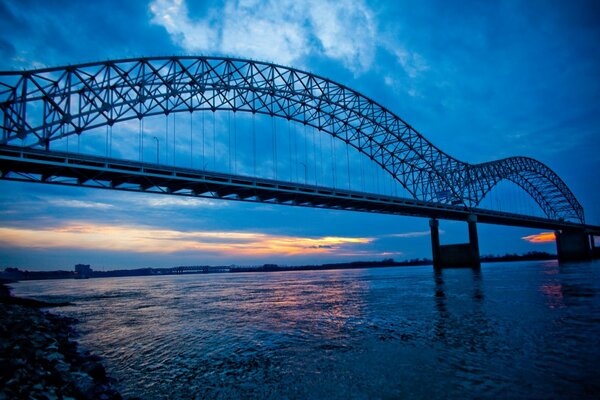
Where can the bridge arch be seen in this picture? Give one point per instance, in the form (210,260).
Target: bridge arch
(543,185)
(52,103)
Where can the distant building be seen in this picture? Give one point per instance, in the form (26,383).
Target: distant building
(83,271)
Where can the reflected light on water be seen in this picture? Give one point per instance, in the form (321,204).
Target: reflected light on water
(552,287)
(510,330)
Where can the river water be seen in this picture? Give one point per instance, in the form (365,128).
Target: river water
(511,330)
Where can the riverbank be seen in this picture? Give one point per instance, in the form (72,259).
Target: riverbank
(26,275)
(39,357)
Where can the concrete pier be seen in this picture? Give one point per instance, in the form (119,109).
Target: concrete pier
(595,250)
(435,242)
(573,246)
(455,255)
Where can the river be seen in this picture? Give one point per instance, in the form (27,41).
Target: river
(511,330)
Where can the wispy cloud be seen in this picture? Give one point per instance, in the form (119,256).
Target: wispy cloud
(172,201)
(164,241)
(346,30)
(412,234)
(284,31)
(79,204)
(370,253)
(192,35)
(542,237)
(412,62)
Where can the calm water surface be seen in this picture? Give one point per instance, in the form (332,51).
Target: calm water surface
(511,330)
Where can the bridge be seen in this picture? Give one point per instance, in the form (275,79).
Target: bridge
(45,110)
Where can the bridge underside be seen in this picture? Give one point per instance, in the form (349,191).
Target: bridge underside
(19,164)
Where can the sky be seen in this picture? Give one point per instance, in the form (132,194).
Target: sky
(481,80)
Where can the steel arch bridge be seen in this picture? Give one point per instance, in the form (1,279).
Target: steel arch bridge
(44,105)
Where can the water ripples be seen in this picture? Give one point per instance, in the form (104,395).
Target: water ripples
(519,330)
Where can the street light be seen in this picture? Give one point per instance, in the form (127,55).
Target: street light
(157,150)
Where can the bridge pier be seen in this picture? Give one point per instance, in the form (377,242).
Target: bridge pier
(573,245)
(595,250)
(455,255)
(434,225)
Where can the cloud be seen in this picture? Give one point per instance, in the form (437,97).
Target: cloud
(542,237)
(412,62)
(412,234)
(173,15)
(79,204)
(346,31)
(370,253)
(272,30)
(138,239)
(171,201)
(284,31)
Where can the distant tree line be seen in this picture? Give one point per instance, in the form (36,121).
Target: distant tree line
(17,274)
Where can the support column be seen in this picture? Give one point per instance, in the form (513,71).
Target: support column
(595,250)
(435,242)
(573,246)
(455,255)
(474,240)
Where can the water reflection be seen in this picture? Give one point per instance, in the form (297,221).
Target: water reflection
(461,316)
(551,287)
(507,330)
(477,284)
(440,299)
(563,285)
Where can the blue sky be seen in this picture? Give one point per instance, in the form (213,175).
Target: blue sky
(481,80)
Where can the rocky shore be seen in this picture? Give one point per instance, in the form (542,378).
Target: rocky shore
(39,358)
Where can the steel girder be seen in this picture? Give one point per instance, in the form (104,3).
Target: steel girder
(60,168)
(51,103)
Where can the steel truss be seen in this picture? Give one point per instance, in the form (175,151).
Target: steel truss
(68,169)
(48,104)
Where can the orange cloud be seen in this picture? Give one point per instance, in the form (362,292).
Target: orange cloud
(165,241)
(543,237)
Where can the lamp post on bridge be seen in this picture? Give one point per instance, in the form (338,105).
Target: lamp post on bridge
(157,150)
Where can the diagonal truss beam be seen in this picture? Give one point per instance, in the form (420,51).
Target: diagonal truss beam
(49,104)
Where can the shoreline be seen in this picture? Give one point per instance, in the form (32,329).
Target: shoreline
(40,358)
(16,274)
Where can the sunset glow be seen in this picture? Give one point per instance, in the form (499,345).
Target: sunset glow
(357,44)
(164,241)
(543,237)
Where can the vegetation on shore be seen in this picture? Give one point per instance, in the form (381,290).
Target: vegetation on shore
(18,274)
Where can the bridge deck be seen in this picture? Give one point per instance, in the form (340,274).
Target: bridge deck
(21,164)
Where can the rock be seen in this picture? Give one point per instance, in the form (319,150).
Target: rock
(62,367)
(19,362)
(52,346)
(55,357)
(51,395)
(84,384)
(95,370)
(12,382)
(39,358)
